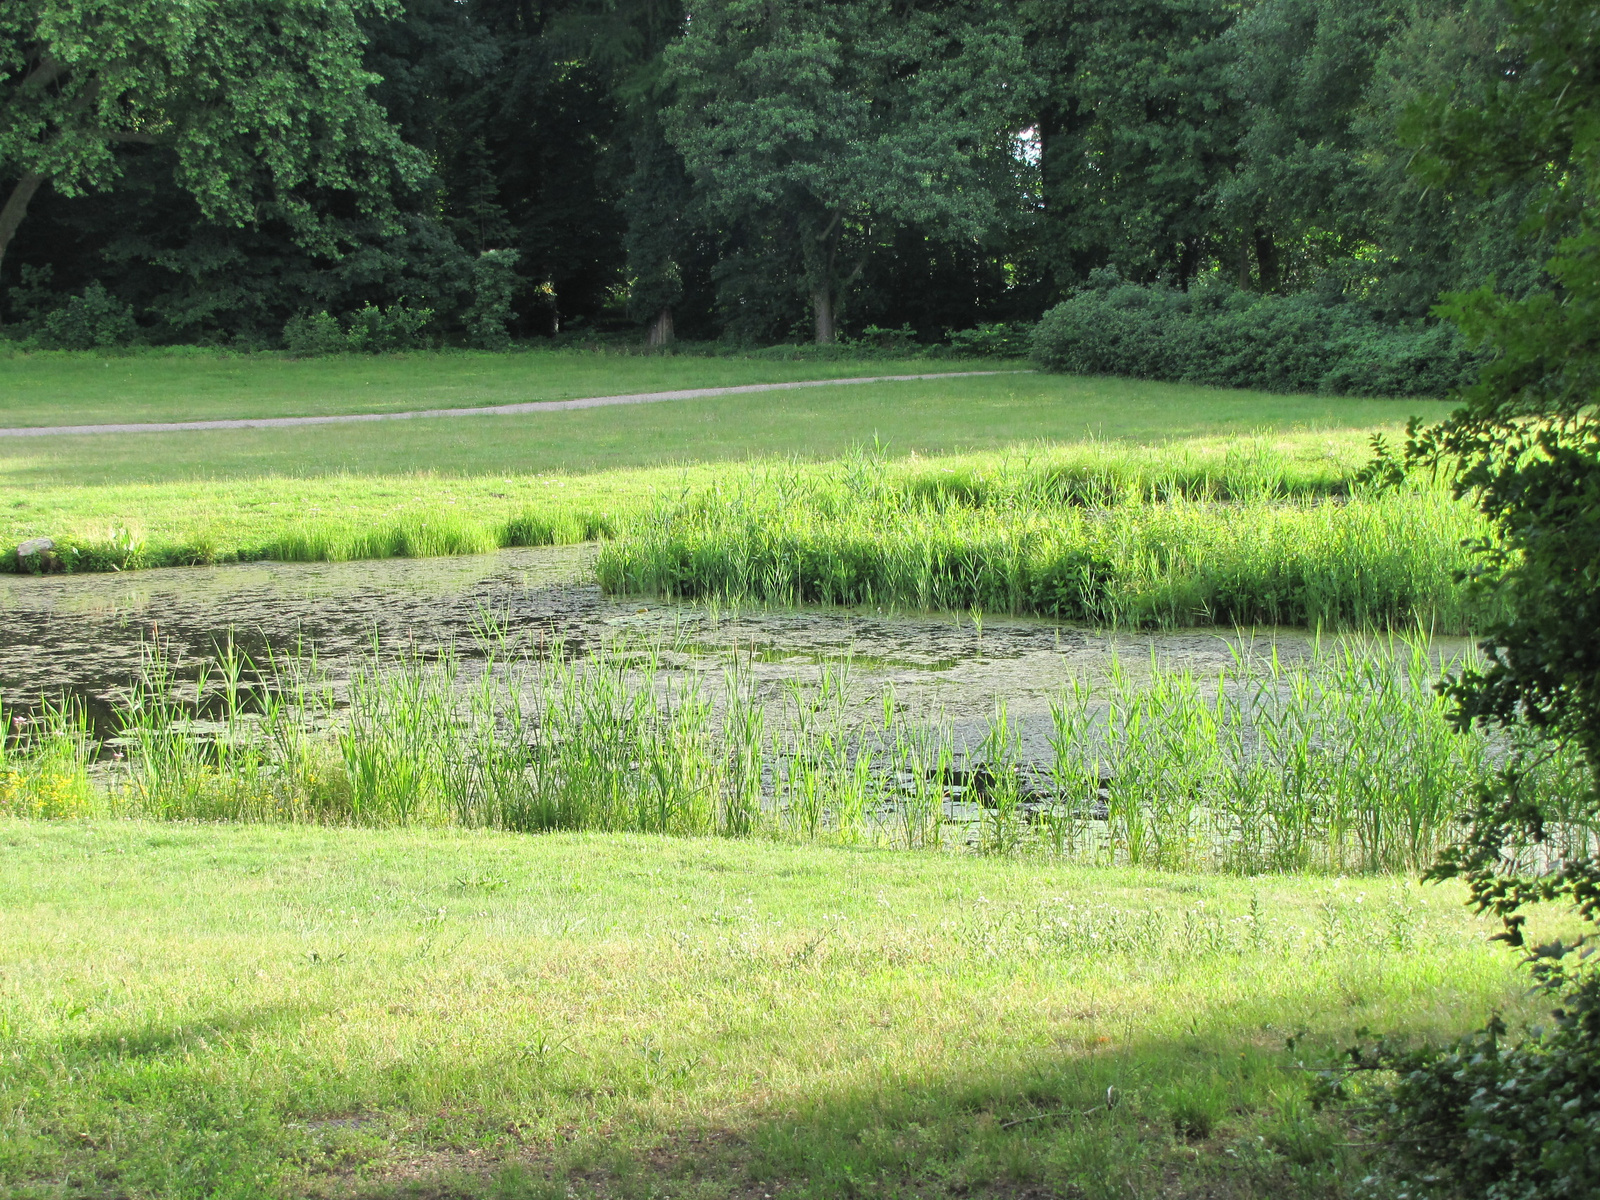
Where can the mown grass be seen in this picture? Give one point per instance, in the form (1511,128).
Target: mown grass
(1245,540)
(348,491)
(68,388)
(247,1011)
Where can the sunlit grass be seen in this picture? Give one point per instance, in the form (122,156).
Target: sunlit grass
(246,1011)
(1133,541)
(466,485)
(191,384)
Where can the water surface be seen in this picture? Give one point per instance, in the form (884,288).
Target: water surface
(83,635)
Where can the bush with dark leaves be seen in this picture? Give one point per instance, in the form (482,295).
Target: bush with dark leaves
(1216,334)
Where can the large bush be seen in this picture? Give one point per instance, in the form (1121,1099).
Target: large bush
(1514,1114)
(1219,335)
(369,329)
(96,320)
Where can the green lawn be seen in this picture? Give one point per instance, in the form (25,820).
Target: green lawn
(236,1011)
(233,491)
(83,389)
(927,416)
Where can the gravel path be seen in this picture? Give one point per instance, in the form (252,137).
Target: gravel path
(494,410)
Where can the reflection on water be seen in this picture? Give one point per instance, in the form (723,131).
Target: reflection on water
(829,719)
(81,635)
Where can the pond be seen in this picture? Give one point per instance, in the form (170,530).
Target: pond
(83,635)
(1256,749)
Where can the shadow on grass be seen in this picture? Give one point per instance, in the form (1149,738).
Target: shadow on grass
(1178,1119)
(153,1040)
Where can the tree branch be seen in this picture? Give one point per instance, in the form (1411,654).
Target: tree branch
(16,208)
(43,75)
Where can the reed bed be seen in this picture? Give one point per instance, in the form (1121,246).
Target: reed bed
(344,518)
(1344,763)
(1117,549)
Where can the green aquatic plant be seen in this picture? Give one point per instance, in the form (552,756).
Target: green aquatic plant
(1137,556)
(1342,760)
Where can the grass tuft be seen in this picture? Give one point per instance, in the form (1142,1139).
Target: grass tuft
(1249,544)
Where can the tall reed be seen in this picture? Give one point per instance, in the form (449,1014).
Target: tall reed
(1145,555)
(1342,762)
(44,763)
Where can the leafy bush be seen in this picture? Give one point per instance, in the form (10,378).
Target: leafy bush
(1482,1117)
(310,334)
(876,337)
(494,286)
(370,329)
(31,297)
(997,340)
(1230,338)
(397,327)
(96,320)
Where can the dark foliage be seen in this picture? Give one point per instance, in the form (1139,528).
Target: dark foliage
(1181,143)
(1495,1116)
(1223,336)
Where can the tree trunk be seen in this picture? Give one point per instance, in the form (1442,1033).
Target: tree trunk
(1244,264)
(822,307)
(661,328)
(1266,261)
(16,208)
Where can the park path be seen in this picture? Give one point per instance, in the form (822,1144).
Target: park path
(493,410)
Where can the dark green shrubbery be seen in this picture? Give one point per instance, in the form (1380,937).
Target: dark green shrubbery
(999,339)
(1219,335)
(369,329)
(494,288)
(96,320)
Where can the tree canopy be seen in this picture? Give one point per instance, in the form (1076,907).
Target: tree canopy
(731,168)
(263,105)
(804,122)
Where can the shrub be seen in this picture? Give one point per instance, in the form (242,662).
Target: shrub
(1494,1117)
(1218,335)
(30,298)
(311,334)
(997,340)
(876,337)
(397,327)
(494,286)
(96,320)
(369,328)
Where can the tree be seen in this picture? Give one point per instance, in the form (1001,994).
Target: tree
(1138,127)
(624,40)
(263,102)
(658,202)
(1301,192)
(800,118)
(1485,1117)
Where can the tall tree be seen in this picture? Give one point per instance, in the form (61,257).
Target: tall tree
(1301,192)
(799,118)
(261,101)
(1491,1116)
(1441,233)
(624,40)
(1138,126)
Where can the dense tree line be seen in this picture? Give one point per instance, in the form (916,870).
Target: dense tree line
(761,170)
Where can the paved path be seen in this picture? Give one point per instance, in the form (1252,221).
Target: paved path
(493,410)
